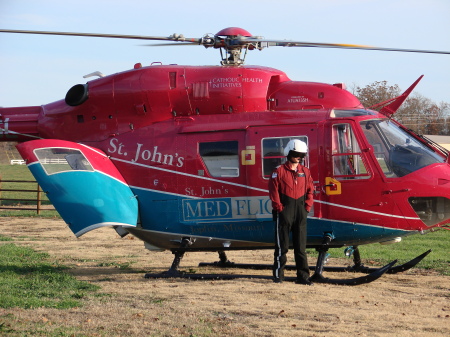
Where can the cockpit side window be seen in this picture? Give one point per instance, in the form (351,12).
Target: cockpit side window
(397,152)
(348,162)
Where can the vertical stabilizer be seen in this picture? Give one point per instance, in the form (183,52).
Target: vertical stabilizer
(392,105)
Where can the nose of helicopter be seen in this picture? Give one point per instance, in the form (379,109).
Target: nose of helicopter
(429,194)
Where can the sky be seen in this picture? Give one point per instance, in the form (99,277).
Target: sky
(37,69)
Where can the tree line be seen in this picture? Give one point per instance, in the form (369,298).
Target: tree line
(417,113)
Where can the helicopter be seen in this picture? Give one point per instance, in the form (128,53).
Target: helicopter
(180,157)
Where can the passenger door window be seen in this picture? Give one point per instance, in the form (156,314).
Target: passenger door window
(221,158)
(273,153)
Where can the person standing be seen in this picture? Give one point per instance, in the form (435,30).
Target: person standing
(291,192)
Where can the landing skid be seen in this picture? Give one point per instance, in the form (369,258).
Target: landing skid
(358,267)
(372,273)
(320,266)
(317,277)
(173,272)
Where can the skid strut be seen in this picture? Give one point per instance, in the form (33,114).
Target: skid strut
(320,265)
(173,271)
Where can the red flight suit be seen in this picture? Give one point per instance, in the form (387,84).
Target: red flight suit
(291,193)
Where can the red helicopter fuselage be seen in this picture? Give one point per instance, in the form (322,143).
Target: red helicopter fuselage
(196,146)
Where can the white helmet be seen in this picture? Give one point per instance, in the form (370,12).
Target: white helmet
(297,147)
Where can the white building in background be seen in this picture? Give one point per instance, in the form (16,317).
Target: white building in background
(443,141)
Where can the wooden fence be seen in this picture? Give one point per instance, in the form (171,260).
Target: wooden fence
(37,200)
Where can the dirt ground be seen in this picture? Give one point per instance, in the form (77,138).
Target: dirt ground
(414,303)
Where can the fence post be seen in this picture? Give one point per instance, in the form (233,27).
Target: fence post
(38,200)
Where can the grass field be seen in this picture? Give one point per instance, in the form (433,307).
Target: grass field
(36,289)
(31,280)
(415,301)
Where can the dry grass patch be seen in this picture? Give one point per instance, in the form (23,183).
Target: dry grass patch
(408,304)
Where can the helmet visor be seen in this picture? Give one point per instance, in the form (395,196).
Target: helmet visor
(296,154)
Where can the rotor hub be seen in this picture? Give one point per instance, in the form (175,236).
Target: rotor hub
(233,31)
(231,41)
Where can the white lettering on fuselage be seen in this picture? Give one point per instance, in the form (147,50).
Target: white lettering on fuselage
(227,208)
(142,154)
(298,99)
(206,191)
(252,80)
(232,82)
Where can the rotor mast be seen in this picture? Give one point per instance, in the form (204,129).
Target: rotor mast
(233,44)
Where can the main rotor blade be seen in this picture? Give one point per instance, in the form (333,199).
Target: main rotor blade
(115,36)
(209,42)
(338,45)
(184,43)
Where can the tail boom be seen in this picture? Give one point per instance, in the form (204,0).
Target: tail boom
(19,124)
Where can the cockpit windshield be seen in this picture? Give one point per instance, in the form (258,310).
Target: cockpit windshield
(397,152)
